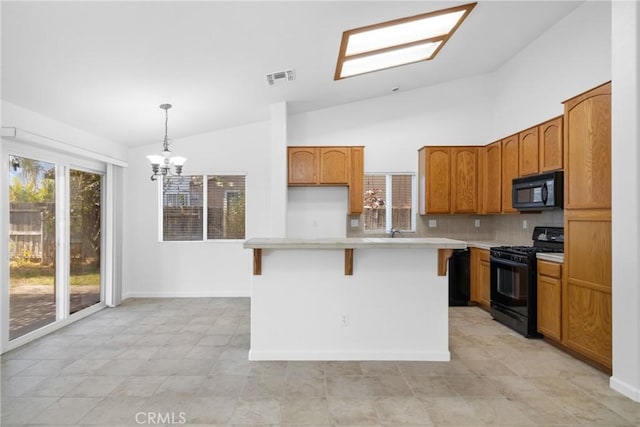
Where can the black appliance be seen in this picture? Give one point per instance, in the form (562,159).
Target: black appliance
(538,192)
(459,277)
(514,280)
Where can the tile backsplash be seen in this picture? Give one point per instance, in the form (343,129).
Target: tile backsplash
(506,229)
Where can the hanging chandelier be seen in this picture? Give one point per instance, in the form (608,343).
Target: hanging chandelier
(161,164)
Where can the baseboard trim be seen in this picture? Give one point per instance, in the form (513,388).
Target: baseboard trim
(214,294)
(430,356)
(624,388)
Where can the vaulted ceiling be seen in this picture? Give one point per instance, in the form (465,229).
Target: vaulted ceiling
(105,67)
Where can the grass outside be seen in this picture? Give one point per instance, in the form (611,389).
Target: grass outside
(27,274)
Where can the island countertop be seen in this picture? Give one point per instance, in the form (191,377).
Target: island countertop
(355,243)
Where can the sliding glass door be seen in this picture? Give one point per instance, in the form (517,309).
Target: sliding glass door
(85,214)
(55,242)
(32,245)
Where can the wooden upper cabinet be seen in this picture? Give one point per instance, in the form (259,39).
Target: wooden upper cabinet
(448,180)
(323,166)
(551,145)
(356,186)
(437,174)
(319,165)
(587,150)
(509,171)
(493,178)
(464,179)
(303,165)
(334,165)
(528,155)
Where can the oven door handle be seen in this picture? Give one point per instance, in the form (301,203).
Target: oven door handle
(499,261)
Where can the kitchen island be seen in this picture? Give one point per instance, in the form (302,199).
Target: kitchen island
(350,298)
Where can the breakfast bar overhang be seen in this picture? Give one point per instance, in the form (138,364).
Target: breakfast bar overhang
(350,298)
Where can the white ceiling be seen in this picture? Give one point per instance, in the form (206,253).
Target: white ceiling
(105,67)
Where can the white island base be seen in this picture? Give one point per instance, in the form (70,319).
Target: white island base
(306,306)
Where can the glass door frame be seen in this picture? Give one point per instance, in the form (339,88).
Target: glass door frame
(63,164)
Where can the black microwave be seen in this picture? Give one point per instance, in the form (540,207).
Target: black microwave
(538,192)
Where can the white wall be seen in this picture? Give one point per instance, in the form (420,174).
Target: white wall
(215,268)
(27,120)
(392,128)
(625,158)
(571,57)
(317,212)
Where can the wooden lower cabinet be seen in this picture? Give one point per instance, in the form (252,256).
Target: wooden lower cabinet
(586,296)
(550,299)
(480,277)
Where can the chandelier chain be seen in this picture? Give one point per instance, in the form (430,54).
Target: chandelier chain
(166,129)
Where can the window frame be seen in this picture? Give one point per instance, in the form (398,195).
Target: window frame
(389,201)
(205,206)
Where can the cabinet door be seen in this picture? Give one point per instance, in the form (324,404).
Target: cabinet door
(587,122)
(509,171)
(549,302)
(586,299)
(334,165)
(551,145)
(464,179)
(438,185)
(474,270)
(303,165)
(480,277)
(528,152)
(356,185)
(493,178)
(485,279)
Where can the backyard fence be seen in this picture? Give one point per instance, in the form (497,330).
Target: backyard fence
(32,231)
(376,219)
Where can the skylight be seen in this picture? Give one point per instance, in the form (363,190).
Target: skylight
(398,42)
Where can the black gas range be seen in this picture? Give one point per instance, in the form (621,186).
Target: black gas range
(514,280)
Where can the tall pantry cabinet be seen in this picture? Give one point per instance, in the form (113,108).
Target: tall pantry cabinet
(586,297)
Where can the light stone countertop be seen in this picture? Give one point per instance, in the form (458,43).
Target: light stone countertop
(485,244)
(553,257)
(355,243)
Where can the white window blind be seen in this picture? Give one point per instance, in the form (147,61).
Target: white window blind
(389,202)
(225,206)
(182,203)
(198,207)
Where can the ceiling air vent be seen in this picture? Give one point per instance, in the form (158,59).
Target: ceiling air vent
(281,77)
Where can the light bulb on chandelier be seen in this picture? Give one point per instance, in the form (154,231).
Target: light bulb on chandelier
(162,163)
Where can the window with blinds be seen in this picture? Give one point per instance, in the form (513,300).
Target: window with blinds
(389,200)
(225,207)
(198,207)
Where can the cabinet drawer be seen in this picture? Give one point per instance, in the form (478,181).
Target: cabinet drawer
(550,269)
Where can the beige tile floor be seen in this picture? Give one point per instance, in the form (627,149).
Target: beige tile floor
(187,359)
